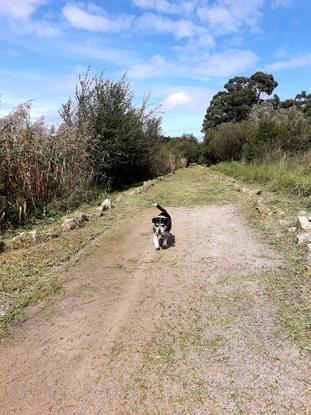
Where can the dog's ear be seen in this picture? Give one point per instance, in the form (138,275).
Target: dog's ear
(154,220)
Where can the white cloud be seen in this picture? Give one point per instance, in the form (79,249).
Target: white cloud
(184,98)
(22,10)
(296,62)
(181,28)
(165,6)
(229,16)
(223,64)
(157,66)
(174,100)
(19,9)
(83,19)
(97,50)
(40,28)
(227,63)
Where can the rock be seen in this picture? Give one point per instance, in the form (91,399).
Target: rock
(75,222)
(302,213)
(2,246)
(105,206)
(34,235)
(303,237)
(309,246)
(50,235)
(284,222)
(304,223)
(262,208)
(83,217)
(18,240)
(71,223)
(25,238)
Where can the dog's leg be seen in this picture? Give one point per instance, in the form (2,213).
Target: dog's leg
(165,240)
(156,241)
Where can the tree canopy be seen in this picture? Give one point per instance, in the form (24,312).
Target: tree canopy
(235,103)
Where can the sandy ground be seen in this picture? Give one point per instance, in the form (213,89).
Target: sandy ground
(187,330)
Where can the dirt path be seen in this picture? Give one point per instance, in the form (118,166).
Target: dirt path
(189,330)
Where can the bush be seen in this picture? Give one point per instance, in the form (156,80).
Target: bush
(120,137)
(263,140)
(287,132)
(226,142)
(185,147)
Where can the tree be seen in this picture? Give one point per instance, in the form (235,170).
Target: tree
(216,112)
(303,102)
(235,103)
(120,137)
(262,83)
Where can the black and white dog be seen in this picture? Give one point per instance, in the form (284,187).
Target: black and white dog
(162,224)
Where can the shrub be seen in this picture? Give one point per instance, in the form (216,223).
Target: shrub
(287,132)
(185,147)
(262,140)
(120,137)
(226,141)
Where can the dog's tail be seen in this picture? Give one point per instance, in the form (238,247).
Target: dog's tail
(160,208)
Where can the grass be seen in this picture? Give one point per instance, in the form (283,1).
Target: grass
(288,176)
(290,287)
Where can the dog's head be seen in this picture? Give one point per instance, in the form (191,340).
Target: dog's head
(160,224)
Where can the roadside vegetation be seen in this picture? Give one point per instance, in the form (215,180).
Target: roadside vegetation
(254,137)
(104,143)
(268,140)
(292,176)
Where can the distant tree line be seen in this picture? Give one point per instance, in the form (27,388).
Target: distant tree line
(245,122)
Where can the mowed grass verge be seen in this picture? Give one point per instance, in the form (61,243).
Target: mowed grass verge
(290,287)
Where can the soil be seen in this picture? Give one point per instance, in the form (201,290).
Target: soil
(186,330)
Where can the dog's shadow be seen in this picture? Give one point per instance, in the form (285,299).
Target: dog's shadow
(171,241)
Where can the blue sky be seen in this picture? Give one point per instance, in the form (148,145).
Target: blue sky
(181,52)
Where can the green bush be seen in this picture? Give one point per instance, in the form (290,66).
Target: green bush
(120,137)
(226,142)
(262,141)
(184,147)
(287,132)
